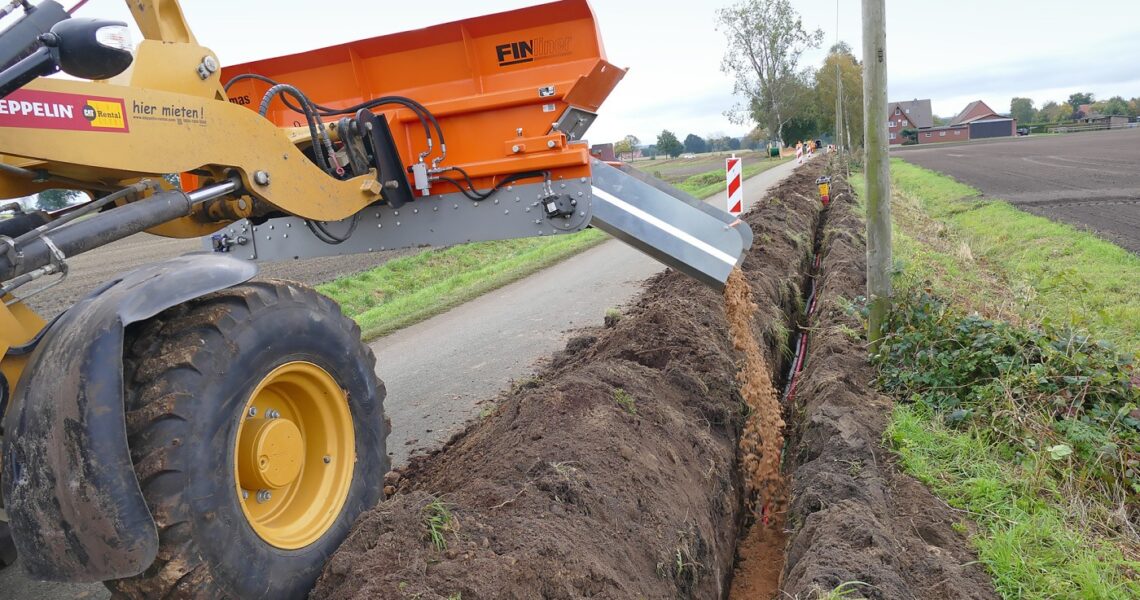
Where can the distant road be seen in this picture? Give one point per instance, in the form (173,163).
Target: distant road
(1091,180)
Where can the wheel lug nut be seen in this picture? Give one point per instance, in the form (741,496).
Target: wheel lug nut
(272,414)
(245,494)
(263,496)
(328,459)
(253,411)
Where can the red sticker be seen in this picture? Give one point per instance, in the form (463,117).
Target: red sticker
(56,110)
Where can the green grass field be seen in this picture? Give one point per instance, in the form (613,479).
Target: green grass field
(1079,278)
(979,373)
(413,288)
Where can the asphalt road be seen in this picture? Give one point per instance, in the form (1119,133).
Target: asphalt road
(1091,180)
(441,372)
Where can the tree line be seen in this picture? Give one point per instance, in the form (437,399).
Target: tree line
(1024,111)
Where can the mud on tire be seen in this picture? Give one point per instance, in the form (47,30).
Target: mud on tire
(188,374)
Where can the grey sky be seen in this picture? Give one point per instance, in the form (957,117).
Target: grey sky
(952,52)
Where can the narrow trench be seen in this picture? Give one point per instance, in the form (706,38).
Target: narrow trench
(761,543)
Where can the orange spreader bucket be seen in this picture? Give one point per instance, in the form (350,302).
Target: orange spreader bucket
(498,85)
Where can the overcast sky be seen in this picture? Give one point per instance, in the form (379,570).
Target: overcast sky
(950,52)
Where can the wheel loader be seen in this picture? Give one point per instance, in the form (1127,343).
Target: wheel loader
(187,429)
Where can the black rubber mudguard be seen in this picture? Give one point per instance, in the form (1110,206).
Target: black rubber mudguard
(73,501)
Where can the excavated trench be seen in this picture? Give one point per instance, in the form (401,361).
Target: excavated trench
(630,466)
(760,551)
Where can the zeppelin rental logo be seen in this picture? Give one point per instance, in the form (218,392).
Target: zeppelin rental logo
(105,115)
(56,110)
(524,51)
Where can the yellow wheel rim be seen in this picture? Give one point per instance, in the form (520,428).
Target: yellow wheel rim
(294,455)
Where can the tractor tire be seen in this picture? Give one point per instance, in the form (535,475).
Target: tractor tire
(256,426)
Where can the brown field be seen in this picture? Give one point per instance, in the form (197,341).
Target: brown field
(1091,180)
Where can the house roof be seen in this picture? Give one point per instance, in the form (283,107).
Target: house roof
(918,111)
(971,107)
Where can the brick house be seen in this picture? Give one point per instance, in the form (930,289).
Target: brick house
(983,122)
(913,114)
(944,133)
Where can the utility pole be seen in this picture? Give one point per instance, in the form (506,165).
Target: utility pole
(838,110)
(838,91)
(878,168)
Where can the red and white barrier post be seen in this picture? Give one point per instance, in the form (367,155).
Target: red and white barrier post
(735,185)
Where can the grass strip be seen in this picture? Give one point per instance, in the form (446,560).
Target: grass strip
(407,290)
(1030,546)
(703,185)
(1075,277)
(410,289)
(1029,429)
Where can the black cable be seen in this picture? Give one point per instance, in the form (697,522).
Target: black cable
(310,117)
(477,196)
(425,116)
(324,235)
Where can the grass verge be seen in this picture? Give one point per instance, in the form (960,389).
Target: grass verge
(1026,540)
(1007,409)
(406,290)
(703,185)
(410,289)
(1067,276)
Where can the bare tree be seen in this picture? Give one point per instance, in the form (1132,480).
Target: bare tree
(765,41)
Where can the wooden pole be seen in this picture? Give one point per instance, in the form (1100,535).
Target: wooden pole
(838,110)
(878,167)
(838,92)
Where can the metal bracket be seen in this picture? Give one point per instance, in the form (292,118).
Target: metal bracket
(13,253)
(574,122)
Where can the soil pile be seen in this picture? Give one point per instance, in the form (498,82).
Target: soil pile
(614,474)
(853,516)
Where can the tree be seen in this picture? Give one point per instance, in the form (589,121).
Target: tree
(910,136)
(851,76)
(1115,105)
(622,147)
(626,145)
(765,41)
(801,128)
(1022,110)
(733,143)
(668,144)
(1051,112)
(757,138)
(56,199)
(695,144)
(1079,98)
(840,47)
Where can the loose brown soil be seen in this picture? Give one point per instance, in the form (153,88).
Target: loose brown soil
(757,575)
(617,473)
(763,435)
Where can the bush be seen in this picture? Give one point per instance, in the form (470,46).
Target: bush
(1036,385)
